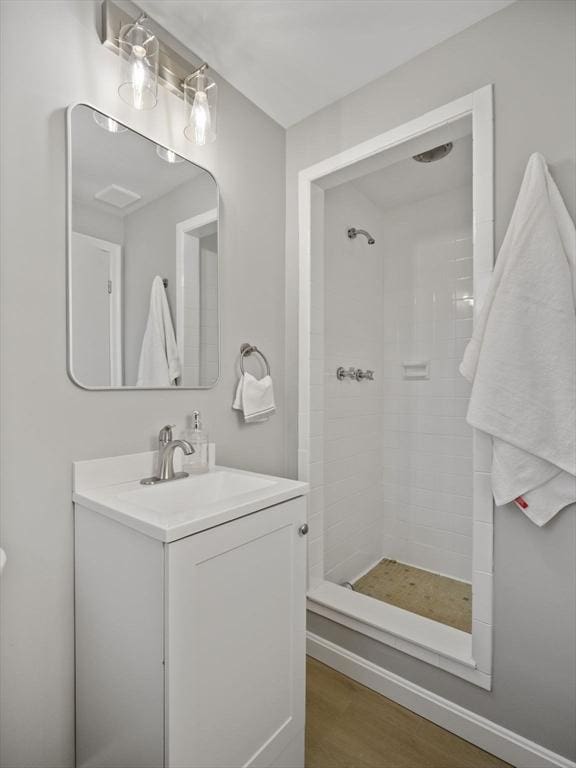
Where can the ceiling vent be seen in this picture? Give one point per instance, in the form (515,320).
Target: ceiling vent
(117,196)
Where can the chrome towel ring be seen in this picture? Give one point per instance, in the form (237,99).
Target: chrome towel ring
(246,350)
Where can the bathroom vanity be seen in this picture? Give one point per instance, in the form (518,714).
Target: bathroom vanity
(190,618)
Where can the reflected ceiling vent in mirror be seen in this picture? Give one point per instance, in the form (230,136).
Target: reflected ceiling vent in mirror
(117,196)
(108,123)
(168,155)
(147,60)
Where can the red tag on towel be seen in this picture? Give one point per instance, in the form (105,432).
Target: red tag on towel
(521,502)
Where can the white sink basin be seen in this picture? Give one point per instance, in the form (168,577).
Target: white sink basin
(192,494)
(172,510)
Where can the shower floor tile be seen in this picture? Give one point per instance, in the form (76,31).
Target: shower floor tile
(428,594)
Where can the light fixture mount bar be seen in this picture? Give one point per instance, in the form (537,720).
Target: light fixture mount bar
(172,67)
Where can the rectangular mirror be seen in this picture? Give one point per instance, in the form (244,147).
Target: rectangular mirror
(142,261)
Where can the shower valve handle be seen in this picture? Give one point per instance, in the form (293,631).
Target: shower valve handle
(342,373)
(368,375)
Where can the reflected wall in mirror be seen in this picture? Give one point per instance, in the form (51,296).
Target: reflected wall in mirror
(142,261)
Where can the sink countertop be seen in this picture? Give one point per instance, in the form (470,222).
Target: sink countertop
(173,510)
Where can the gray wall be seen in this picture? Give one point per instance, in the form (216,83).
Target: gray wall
(87,220)
(47,421)
(528,52)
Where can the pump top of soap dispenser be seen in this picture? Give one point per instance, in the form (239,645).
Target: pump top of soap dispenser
(196,422)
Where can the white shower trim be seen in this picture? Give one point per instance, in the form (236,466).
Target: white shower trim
(474,661)
(484,733)
(430,641)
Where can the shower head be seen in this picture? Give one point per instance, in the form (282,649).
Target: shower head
(353,232)
(436,153)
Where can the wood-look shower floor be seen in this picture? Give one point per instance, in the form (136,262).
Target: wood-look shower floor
(428,594)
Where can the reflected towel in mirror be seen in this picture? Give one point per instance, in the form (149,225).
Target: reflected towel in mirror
(159,359)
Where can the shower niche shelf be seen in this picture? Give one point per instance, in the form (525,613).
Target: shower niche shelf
(418,370)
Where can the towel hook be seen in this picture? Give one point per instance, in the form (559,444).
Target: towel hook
(246,350)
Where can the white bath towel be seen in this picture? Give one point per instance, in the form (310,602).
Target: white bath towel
(521,359)
(255,398)
(159,360)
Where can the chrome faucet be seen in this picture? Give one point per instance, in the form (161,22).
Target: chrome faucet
(166,448)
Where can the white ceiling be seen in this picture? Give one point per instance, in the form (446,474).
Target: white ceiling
(407,181)
(128,160)
(293,57)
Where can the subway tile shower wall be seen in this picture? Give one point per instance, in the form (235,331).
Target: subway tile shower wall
(354,524)
(393,457)
(427,444)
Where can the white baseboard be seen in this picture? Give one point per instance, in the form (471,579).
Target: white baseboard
(491,737)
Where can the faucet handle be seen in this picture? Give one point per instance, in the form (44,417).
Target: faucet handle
(165,435)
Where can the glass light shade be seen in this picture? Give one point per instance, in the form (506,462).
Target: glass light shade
(200,98)
(139,56)
(168,155)
(108,123)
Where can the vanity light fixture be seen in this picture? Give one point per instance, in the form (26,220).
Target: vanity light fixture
(147,59)
(139,65)
(200,95)
(108,123)
(168,155)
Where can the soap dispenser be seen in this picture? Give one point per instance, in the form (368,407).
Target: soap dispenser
(197,462)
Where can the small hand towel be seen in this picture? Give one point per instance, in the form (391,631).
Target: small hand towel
(521,359)
(255,397)
(159,359)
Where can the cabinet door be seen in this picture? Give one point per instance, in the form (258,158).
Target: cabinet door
(235,641)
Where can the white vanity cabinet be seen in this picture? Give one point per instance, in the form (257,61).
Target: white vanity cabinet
(190,653)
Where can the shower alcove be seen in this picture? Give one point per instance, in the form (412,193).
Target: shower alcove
(401,507)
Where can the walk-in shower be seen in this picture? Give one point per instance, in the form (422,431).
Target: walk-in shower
(397,449)
(401,511)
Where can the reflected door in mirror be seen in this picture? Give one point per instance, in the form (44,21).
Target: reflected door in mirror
(96,286)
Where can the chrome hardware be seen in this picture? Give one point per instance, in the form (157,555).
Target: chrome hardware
(167,459)
(436,153)
(303,530)
(166,448)
(342,373)
(354,373)
(368,375)
(353,233)
(165,435)
(246,350)
(173,68)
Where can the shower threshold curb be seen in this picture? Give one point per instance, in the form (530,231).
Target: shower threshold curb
(436,644)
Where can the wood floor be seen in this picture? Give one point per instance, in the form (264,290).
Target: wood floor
(350,726)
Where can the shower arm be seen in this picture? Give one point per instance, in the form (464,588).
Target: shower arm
(353,232)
